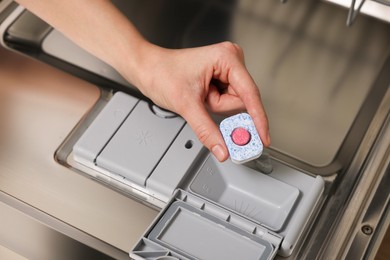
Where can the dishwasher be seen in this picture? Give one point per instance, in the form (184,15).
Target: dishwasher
(319,192)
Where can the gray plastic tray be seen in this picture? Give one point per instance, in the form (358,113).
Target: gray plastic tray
(198,235)
(254,195)
(190,228)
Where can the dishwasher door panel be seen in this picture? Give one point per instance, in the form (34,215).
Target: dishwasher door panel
(325,88)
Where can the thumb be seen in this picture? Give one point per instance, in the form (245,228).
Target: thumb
(207,131)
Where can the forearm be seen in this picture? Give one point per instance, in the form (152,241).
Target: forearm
(96,26)
(179,80)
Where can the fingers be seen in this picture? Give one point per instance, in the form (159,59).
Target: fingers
(245,87)
(252,100)
(229,68)
(233,104)
(261,122)
(206,130)
(225,103)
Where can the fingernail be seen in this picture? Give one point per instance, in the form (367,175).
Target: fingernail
(218,152)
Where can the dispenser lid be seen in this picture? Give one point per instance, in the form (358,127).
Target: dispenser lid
(191,228)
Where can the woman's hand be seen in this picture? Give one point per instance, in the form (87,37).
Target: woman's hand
(194,81)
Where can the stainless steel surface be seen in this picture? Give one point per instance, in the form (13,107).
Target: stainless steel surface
(6,253)
(314,72)
(307,64)
(360,199)
(374,204)
(4,4)
(39,106)
(325,88)
(35,235)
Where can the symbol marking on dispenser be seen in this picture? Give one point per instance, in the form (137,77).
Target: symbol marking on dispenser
(206,188)
(210,170)
(144,137)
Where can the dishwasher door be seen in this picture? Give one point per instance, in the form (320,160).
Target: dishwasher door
(325,87)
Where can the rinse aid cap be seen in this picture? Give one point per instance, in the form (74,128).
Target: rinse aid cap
(241,138)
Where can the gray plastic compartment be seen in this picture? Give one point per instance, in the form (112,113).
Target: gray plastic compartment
(176,164)
(139,144)
(254,195)
(191,228)
(232,196)
(99,133)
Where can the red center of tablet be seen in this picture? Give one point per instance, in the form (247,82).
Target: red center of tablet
(241,136)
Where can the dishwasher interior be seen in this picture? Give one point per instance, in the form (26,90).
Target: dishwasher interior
(325,87)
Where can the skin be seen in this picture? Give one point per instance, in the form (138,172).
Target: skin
(180,80)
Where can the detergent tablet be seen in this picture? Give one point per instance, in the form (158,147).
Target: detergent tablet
(241,138)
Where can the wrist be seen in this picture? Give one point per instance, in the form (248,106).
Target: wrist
(136,61)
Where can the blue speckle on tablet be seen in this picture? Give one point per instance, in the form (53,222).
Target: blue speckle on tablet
(241,153)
